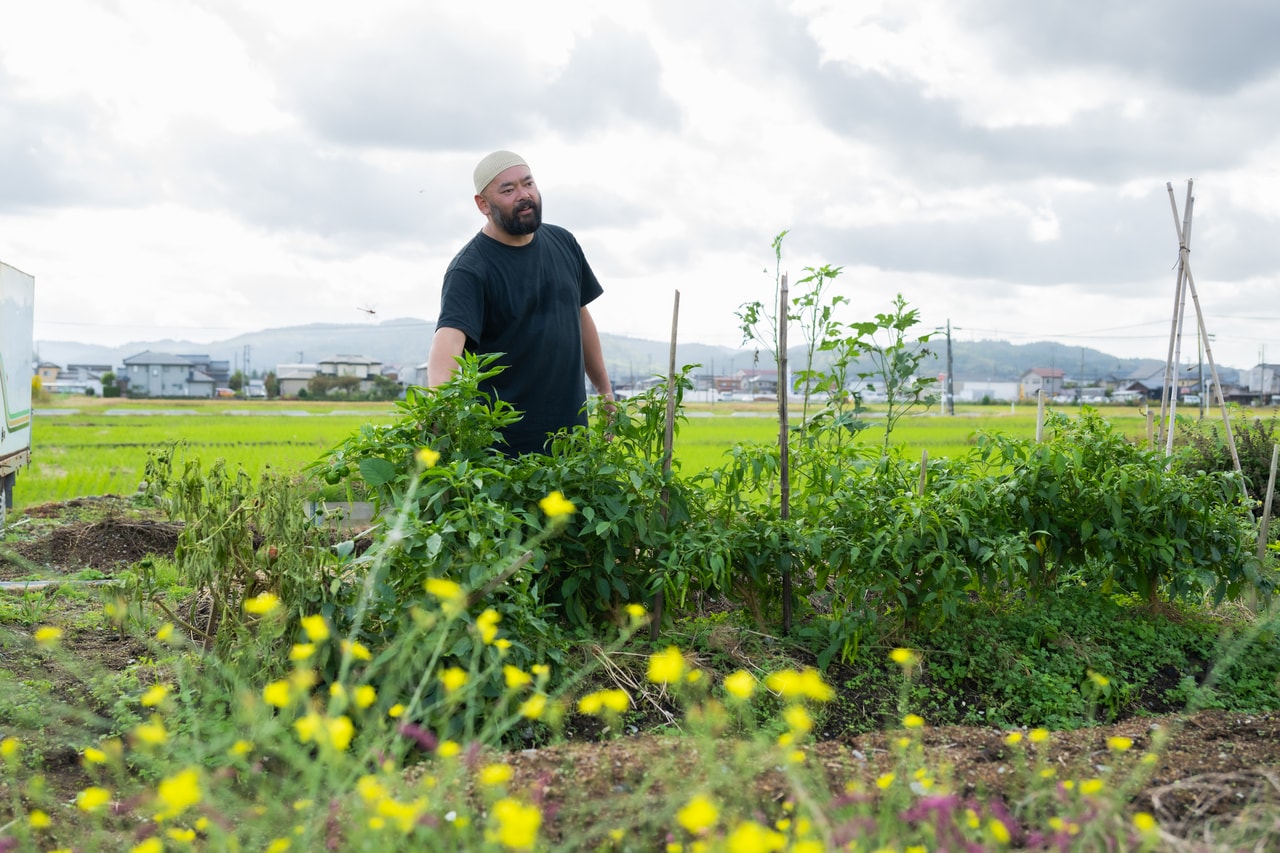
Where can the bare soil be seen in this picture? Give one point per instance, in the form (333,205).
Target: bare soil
(1218,767)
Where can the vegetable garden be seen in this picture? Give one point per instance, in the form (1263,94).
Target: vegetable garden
(299,687)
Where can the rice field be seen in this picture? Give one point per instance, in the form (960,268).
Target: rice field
(87,446)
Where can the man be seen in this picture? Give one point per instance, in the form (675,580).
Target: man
(521,288)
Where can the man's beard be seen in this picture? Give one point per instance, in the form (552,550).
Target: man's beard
(515,225)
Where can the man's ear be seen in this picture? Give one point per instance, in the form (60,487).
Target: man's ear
(482,205)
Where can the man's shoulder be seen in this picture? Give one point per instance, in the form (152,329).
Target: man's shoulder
(559,236)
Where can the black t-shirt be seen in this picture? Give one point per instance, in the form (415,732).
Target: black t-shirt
(525,301)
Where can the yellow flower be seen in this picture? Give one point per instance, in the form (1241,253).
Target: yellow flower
(453,678)
(1119,744)
(556,505)
(308,727)
(516,824)
(396,710)
(150,845)
(165,633)
(740,685)
(262,603)
(1013,738)
(998,831)
(807,683)
(884,780)
(452,597)
(93,799)
(48,635)
(604,701)
(241,747)
(301,651)
(1092,786)
(370,789)
(340,730)
(636,611)
(534,707)
(1144,822)
(1038,735)
(751,837)
(365,696)
(698,815)
(666,666)
(154,696)
(357,650)
(487,625)
(151,733)
(798,718)
(448,748)
(277,693)
(9,747)
(516,677)
(38,819)
(178,792)
(905,658)
(1098,679)
(315,626)
(495,774)
(182,836)
(913,721)
(279,845)
(427,457)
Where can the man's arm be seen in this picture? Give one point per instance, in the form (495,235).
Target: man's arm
(593,356)
(446,345)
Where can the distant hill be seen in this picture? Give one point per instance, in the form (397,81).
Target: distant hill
(404,342)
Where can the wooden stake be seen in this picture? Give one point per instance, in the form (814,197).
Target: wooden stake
(784,461)
(668,445)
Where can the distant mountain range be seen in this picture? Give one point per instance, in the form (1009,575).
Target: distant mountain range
(404,342)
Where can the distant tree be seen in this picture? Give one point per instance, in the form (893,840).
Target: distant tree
(236,382)
(384,388)
(324,385)
(272,384)
(109,386)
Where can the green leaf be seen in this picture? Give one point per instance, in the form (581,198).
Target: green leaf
(376,471)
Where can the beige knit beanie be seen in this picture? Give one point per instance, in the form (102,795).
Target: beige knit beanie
(493,165)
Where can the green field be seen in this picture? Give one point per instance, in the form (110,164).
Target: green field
(101,447)
(84,446)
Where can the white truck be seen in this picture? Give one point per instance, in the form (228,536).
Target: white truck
(17,303)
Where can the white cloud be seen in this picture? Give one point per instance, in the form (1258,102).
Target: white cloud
(203,167)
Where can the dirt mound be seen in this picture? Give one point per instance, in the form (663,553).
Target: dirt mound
(106,544)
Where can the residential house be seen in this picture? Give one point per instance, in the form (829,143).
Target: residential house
(1263,383)
(1046,380)
(48,372)
(79,379)
(357,366)
(219,371)
(294,378)
(162,374)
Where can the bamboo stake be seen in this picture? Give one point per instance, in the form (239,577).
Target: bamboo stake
(1178,301)
(784,460)
(1264,529)
(1184,242)
(1039,416)
(1168,394)
(668,445)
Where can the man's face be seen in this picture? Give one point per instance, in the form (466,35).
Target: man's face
(513,201)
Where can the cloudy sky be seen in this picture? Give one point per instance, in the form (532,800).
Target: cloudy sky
(201,168)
